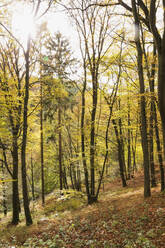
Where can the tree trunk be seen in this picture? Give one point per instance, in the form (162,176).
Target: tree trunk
(161,88)
(78,177)
(122,147)
(15,196)
(151,145)
(60,147)
(65,182)
(134,151)
(83,135)
(129,142)
(42,146)
(92,136)
(120,155)
(146,164)
(159,151)
(71,177)
(32,176)
(24,142)
(4,204)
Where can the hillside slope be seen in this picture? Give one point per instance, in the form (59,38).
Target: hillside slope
(121,219)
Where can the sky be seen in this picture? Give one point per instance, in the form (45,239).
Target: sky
(56,21)
(59,21)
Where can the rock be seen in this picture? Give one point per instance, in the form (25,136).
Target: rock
(43,220)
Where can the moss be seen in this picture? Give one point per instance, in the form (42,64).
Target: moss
(70,200)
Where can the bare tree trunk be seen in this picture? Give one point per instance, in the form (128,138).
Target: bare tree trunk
(129,142)
(122,147)
(83,135)
(42,146)
(92,136)
(134,151)
(159,151)
(15,195)
(65,182)
(151,78)
(151,146)
(24,141)
(4,203)
(146,164)
(32,176)
(60,147)
(120,154)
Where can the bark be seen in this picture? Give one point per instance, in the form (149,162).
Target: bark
(77,152)
(122,146)
(60,148)
(151,146)
(42,147)
(15,195)
(144,138)
(134,141)
(129,142)
(78,177)
(106,154)
(151,77)
(83,133)
(159,150)
(65,182)
(32,176)
(24,142)
(71,177)
(4,203)
(120,155)
(92,135)
(160,45)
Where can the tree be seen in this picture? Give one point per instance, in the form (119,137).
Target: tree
(92,26)
(60,62)
(11,88)
(146,164)
(147,14)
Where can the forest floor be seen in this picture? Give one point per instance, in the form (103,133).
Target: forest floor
(122,218)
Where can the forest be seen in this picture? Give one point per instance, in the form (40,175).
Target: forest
(82,124)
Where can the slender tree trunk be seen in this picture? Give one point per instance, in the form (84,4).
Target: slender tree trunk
(42,146)
(146,164)
(78,177)
(65,184)
(161,88)
(60,147)
(15,196)
(74,175)
(24,142)
(129,142)
(151,145)
(83,136)
(122,146)
(120,156)
(159,151)
(78,151)
(134,151)
(71,177)
(4,204)
(32,176)
(92,137)
(106,153)
(151,78)
(160,45)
